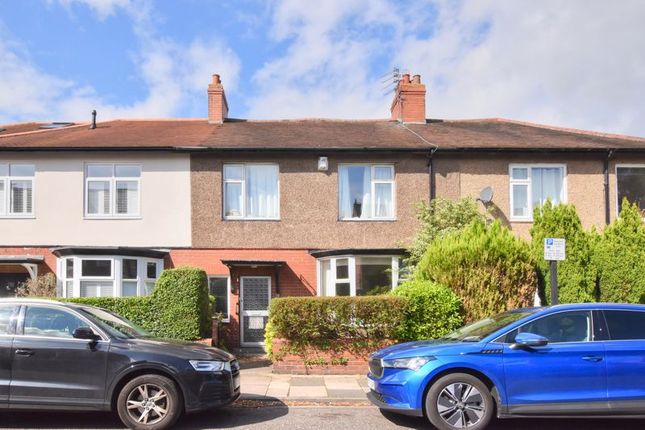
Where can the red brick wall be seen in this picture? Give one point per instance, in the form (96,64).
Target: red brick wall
(297,275)
(49,265)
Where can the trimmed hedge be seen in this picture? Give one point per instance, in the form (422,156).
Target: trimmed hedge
(181,300)
(178,307)
(432,310)
(488,267)
(328,322)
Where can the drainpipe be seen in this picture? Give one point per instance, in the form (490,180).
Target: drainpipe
(431,180)
(610,153)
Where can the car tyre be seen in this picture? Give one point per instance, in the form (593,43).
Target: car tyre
(149,402)
(459,401)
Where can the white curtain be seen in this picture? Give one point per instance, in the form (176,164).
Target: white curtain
(262,191)
(547,184)
(366,207)
(383,200)
(344,193)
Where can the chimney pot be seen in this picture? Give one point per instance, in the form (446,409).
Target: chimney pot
(216,79)
(416,79)
(406,78)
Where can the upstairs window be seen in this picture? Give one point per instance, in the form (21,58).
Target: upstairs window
(366,192)
(251,191)
(17,190)
(112,190)
(532,186)
(630,181)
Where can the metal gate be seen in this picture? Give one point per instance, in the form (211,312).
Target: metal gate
(255,295)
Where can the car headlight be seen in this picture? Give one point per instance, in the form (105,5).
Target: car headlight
(412,363)
(210,365)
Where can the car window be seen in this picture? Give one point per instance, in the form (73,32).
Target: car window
(51,322)
(558,328)
(625,325)
(6,312)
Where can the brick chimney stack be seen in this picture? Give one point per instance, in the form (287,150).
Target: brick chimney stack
(217,105)
(409,104)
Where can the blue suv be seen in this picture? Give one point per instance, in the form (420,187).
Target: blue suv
(568,360)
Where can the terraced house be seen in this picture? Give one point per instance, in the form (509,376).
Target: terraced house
(277,208)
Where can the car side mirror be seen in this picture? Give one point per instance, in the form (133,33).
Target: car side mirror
(529,340)
(85,333)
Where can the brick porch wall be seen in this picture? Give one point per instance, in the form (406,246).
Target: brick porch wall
(49,265)
(297,276)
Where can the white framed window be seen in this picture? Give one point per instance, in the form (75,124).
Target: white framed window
(112,190)
(366,192)
(108,276)
(531,185)
(251,191)
(351,275)
(630,184)
(17,190)
(219,286)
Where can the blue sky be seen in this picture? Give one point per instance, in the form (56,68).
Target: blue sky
(579,63)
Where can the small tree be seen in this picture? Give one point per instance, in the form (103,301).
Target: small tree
(488,267)
(439,218)
(576,274)
(41,286)
(620,258)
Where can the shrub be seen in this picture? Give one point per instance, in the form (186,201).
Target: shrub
(576,274)
(620,258)
(431,312)
(439,218)
(488,268)
(181,300)
(139,310)
(41,286)
(327,322)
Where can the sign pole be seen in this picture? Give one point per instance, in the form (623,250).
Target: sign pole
(554,282)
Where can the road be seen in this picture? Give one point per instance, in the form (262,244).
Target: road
(292,418)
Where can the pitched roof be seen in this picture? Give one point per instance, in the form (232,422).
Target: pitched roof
(313,134)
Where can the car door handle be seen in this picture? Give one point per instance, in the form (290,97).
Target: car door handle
(24,352)
(592,358)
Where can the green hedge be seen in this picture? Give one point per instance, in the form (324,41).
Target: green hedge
(178,307)
(181,300)
(432,310)
(321,321)
(576,275)
(487,266)
(619,257)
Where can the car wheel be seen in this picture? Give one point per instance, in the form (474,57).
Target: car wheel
(459,401)
(149,402)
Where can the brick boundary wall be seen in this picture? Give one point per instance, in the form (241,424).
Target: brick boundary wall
(353,362)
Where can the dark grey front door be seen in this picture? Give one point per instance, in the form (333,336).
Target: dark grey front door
(255,295)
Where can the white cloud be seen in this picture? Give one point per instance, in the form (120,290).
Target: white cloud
(176,75)
(577,63)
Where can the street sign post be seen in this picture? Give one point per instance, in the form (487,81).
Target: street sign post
(554,251)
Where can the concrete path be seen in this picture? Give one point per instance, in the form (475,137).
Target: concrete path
(261,384)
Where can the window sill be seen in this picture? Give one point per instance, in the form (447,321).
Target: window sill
(134,217)
(521,220)
(251,219)
(367,220)
(17,216)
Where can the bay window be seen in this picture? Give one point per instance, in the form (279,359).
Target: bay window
(112,190)
(366,191)
(357,275)
(532,185)
(630,183)
(251,191)
(16,190)
(107,276)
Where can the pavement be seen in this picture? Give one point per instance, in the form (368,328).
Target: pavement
(260,383)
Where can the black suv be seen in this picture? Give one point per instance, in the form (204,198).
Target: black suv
(74,357)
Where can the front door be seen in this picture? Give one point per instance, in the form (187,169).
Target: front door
(51,367)
(255,295)
(567,375)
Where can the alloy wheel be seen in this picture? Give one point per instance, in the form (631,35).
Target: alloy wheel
(147,404)
(460,405)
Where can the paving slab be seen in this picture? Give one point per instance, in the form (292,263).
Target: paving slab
(346,394)
(307,392)
(307,381)
(256,390)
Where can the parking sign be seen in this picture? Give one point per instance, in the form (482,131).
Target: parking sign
(554,249)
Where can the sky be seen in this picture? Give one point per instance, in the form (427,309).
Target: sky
(573,63)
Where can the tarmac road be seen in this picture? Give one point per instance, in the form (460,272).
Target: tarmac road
(292,418)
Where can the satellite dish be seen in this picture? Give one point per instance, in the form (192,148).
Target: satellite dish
(486,195)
